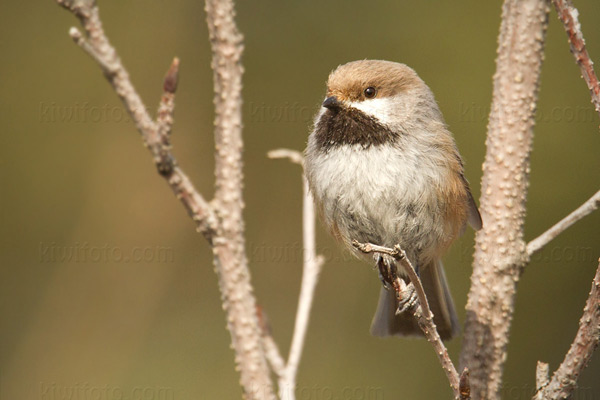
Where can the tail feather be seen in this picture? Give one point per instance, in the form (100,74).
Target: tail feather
(387,323)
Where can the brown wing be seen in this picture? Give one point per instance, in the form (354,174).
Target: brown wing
(473,215)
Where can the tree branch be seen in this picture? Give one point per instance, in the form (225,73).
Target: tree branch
(229,249)
(98,46)
(222,222)
(422,313)
(564,379)
(585,209)
(311,268)
(500,250)
(568,14)
(294,156)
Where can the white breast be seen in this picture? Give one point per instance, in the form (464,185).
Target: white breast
(381,194)
(355,173)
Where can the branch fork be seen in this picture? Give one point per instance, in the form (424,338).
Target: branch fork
(220,221)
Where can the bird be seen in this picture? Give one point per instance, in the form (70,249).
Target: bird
(384,169)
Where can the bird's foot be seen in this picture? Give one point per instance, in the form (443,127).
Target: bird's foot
(406,296)
(387,271)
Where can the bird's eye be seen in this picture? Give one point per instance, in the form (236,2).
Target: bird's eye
(370,92)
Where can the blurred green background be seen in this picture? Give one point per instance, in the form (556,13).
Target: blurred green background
(81,196)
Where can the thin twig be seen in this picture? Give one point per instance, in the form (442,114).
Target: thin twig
(98,46)
(105,65)
(310,275)
(294,156)
(564,379)
(586,208)
(312,264)
(422,312)
(568,14)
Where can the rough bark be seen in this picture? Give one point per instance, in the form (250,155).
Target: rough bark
(500,250)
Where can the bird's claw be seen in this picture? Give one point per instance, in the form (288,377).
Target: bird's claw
(387,271)
(407,297)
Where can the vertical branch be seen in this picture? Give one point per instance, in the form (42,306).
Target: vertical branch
(310,275)
(221,221)
(500,250)
(311,268)
(229,248)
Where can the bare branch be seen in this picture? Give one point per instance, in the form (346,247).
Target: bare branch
(422,312)
(294,156)
(104,64)
(229,249)
(500,250)
(586,208)
(568,14)
(98,46)
(312,264)
(226,44)
(564,379)
(310,275)
(222,223)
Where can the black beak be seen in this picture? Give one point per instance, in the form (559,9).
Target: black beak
(332,103)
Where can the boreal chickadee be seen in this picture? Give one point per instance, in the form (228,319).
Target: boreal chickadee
(384,169)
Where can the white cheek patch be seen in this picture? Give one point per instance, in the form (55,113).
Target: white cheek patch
(390,111)
(380,109)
